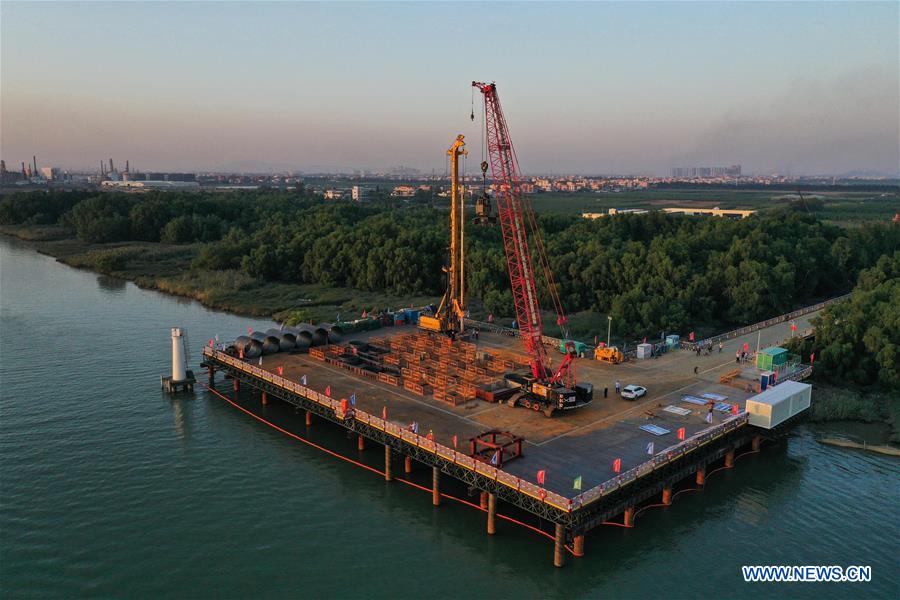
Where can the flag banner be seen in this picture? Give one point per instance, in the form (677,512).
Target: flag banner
(812,358)
(454,441)
(617,465)
(303,380)
(416,427)
(384,413)
(681,433)
(650,448)
(734,409)
(576,485)
(260,361)
(328,390)
(430,435)
(495,459)
(793,326)
(280,370)
(352,399)
(691,336)
(210,343)
(541,477)
(709,417)
(746,347)
(241,354)
(249,331)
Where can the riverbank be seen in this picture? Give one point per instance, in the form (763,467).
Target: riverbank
(169,268)
(868,406)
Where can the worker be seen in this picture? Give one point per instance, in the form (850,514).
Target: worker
(737,356)
(696,369)
(606,391)
(720,347)
(618,387)
(490,317)
(514,324)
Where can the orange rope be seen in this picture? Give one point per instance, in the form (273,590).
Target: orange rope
(374,470)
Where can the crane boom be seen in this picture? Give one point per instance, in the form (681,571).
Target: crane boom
(513,225)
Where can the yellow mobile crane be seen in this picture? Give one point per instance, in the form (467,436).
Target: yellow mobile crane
(451,312)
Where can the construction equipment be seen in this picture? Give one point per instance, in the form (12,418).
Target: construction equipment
(483,214)
(542,389)
(451,312)
(609,354)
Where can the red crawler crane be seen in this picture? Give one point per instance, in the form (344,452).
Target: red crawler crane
(543,390)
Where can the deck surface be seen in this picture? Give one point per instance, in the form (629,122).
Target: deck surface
(583,442)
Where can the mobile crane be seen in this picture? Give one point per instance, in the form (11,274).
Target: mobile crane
(450,315)
(542,389)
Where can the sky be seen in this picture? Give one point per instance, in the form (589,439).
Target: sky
(590,88)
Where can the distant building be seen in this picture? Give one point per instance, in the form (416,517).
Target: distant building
(361,194)
(404,191)
(150,185)
(334,194)
(706,172)
(732,213)
(50,173)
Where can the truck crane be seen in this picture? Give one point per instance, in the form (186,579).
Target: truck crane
(450,315)
(542,389)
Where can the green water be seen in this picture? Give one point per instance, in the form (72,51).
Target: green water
(110,488)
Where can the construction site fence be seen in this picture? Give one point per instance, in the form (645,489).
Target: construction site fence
(763,324)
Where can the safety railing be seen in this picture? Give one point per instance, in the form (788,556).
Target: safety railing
(763,324)
(663,458)
(519,485)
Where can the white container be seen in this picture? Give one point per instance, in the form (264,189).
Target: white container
(644,350)
(778,404)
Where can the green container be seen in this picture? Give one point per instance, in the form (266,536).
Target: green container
(771,358)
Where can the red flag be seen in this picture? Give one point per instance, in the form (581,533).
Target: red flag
(691,336)
(681,433)
(454,441)
(617,465)
(280,370)
(249,330)
(812,358)
(384,413)
(541,476)
(793,326)
(210,343)
(344,405)
(241,354)
(328,390)
(746,347)
(734,409)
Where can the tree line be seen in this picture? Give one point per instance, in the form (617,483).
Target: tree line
(652,272)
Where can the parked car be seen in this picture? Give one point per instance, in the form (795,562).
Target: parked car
(633,392)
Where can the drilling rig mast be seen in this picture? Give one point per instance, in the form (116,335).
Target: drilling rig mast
(450,315)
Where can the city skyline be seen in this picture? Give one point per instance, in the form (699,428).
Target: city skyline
(589,88)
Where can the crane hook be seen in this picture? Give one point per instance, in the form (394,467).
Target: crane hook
(484,166)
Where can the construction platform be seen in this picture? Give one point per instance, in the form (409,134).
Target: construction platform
(604,446)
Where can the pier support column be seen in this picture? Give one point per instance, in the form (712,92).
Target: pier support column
(667,496)
(264,398)
(309,418)
(492,514)
(729,459)
(578,545)
(483,500)
(435,486)
(407,465)
(559,546)
(701,476)
(361,444)
(212,376)
(237,384)
(387,463)
(755,443)
(629,516)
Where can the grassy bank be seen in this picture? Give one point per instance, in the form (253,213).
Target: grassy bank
(168,268)
(831,403)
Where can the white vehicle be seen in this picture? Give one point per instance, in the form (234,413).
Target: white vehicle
(633,392)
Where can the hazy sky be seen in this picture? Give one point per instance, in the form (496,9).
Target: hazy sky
(805,88)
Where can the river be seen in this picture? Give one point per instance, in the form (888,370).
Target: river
(108,487)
